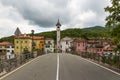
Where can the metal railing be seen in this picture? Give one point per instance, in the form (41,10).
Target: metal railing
(109,61)
(7,65)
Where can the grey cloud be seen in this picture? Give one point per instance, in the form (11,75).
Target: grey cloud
(46,12)
(96,6)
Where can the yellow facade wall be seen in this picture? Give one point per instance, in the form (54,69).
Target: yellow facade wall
(21,44)
(27,43)
(3,49)
(39,44)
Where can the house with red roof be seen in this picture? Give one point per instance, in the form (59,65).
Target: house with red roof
(7,49)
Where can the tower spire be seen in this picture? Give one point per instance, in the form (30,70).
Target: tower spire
(58,23)
(17,32)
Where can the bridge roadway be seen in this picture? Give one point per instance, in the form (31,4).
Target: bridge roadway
(61,67)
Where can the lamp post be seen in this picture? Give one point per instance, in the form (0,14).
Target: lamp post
(32,31)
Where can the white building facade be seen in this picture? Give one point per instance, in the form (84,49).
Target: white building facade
(10,51)
(49,45)
(66,44)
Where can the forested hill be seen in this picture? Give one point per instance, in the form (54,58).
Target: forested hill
(92,32)
(95,28)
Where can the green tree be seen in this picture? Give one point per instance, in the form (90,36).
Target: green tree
(116,37)
(113,20)
(114,13)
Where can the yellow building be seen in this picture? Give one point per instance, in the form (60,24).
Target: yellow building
(39,42)
(25,42)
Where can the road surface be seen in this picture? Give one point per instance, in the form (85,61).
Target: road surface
(61,67)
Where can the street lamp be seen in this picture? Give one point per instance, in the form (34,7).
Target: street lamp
(32,31)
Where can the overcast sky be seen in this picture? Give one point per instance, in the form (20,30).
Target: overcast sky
(42,15)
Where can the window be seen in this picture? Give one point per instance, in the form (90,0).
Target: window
(12,46)
(47,46)
(16,41)
(78,44)
(49,42)
(12,51)
(8,51)
(25,41)
(67,42)
(41,41)
(83,43)
(7,46)
(17,47)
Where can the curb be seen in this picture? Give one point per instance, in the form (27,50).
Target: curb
(3,73)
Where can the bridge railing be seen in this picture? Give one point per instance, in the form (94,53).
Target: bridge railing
(110,61)
(7,65)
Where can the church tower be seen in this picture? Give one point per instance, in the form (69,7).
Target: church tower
(58,25)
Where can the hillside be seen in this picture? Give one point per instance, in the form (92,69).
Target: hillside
(92,32)
(94,28)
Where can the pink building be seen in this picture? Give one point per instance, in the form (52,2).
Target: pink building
(90,46)
(80,45)
(95,47)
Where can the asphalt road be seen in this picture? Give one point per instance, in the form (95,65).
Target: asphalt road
(67,67)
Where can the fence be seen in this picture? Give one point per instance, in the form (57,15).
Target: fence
(7,65)
(110,61)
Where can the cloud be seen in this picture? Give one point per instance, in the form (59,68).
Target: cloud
(10,19)
(43,14)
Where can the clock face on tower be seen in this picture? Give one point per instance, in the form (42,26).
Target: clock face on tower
(58,27)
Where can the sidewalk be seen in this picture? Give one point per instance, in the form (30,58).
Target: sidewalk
(3,73)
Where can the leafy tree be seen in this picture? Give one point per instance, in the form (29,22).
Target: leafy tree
(26,50)
(116,36)
(9,39)
(114,13)
(113,20)
(116,33)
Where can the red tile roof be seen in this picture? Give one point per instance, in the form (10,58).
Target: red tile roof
(30,37)
(38,38)
(5,43)
(23,37)
(79,40)
(110,48)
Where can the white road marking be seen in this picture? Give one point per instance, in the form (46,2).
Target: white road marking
(18,68)
(102,66)
(57,74)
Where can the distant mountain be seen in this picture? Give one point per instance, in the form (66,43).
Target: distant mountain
(95,28)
